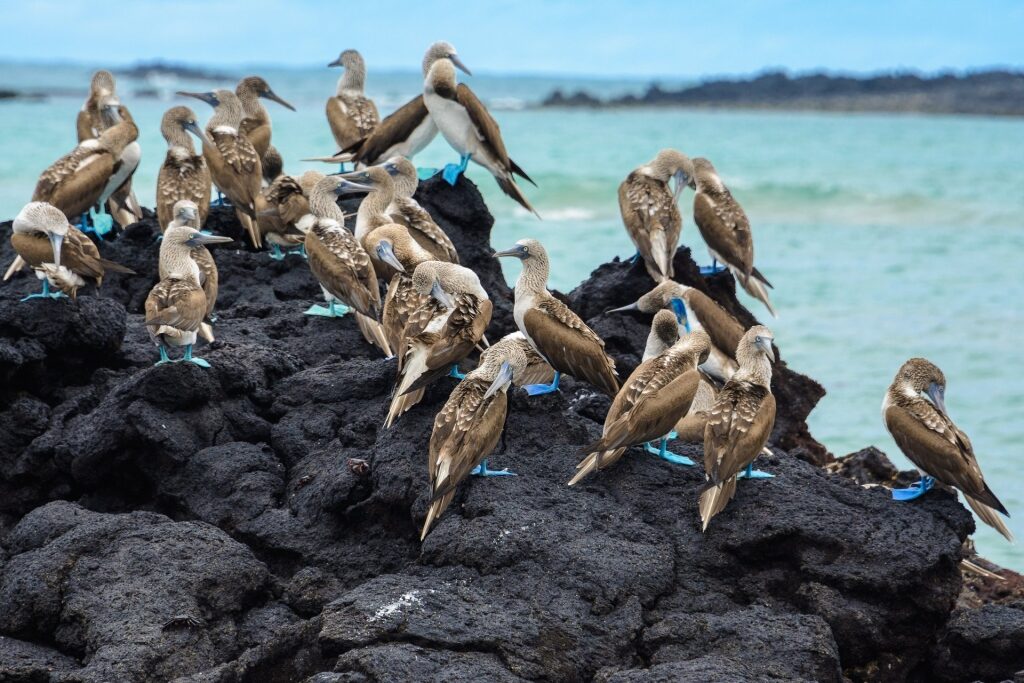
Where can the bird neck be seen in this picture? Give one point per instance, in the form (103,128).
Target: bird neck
(227,113)
(373,209)
(534,277)
(176,136)
(324,204)
(441,72)
(116,138)
(754,368)
(655,346)
(709,182)
(252,108)
(354,78)
(176,257)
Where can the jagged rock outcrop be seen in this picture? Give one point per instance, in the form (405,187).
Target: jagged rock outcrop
(253,522)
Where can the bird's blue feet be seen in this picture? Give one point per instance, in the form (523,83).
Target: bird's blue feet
(713,269)
(163,357)
(300,250)
(220,200)
(276,253)
(333,311)
(636,257)
(46,293)
(451,172)
(538,389)
(662,452)
(916,491)
(341,167)
(751,473)
(482,471)
(454,372)
(189,358)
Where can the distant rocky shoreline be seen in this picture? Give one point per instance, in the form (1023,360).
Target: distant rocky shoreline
(996,93)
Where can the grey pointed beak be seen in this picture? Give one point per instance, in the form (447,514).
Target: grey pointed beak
(386,253)
(346,186)
(518,251)
(207,97)
(766,346)
(458,63)
(194,128)
(202,240)
(442,296)
(682,180)
(271,95)
(55,242)
(336,62)
(938,396)
(503,379)
(628,307)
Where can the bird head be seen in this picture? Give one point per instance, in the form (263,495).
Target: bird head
(921,376)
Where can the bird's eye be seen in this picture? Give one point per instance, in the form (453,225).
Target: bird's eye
(757,339)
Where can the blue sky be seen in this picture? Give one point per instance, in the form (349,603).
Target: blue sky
(642,38)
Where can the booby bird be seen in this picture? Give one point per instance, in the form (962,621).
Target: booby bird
(467,125)
(654,397)
(439,334)
(90,174)
(393,246)
(340,264)
(914,412)
(94,117)
(257,128)
(408,211)
(739,423)
(351,115)
(62,256)
(558,334)
(233,161)
(726,229)
(283,224)
(184,174)
(649,209)
(176,306)
(469,425)
(186,214)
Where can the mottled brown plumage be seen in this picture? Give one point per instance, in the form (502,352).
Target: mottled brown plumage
(390,244)
(94,118)
(249,91)
(351,115)
(281,222)
(184,174)
(406,210)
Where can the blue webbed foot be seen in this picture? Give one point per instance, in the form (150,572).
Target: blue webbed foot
(276,253)
(299,250)
(481,470)
(751,473)
(102,223)
(454,372)
(341,167)
(713,269)
(636,257)
(538,389)
(332,311)
(916,491)
(189,358)
(45,293)
(451,172)
(163,357)
(662,452)
(426,173)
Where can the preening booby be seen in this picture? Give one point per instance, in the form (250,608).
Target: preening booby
(466,124)
(656,396)
(469,425)
(187,214)
(176,306)
(94,117)
(406,210)
(439,334)
(649,209)
(927,435)
(393,246)
(62,256)
(286,218)
(558,334)
(234,163)
(184,174)
(725,228)
(257,120)
(739,423)
(351,115)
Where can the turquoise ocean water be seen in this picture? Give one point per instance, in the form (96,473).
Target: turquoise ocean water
(886,236)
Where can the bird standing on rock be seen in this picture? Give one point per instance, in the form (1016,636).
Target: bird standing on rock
(649,209)
(656,396)
(927,435)
(558,334)
(351,115)
(466,124)
(286,219)
(406,210)
(184,174)
(739,423)
(187,214)
(256,121)
(393,246)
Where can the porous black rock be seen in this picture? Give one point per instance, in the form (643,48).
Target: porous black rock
(254,522)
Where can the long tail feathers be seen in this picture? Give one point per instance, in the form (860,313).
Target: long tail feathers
(437,508)
(250,228)
(509,187)
(415,365)
(17,264)
(206,332)
(990,516)
(661,254)
(400,404)
(756,289)
(714,499)
(116,267)
(373,332)
(340,158)
(520,172)
(594,462)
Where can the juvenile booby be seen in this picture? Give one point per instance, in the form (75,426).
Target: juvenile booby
(408,211)
(233,161)
(439,334)
(467,125)
(725,228)
(286,218)
(62,256)
(351,115)
(393,246)
(249,91)
(558,334)
(340,264)
(94,117)
(739,423)
(914,412)
(656,396)
(176,306)
(649,209)
(469,425)
(184,174)
(186,214)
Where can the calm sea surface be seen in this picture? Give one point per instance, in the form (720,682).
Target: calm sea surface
(886,236)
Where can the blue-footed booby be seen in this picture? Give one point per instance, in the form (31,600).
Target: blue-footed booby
(466,124)
(256,124)
(393,246)
(555,331)
(914,412)
(351,115)
(184,174)
(739,423)
(652,400)
(440,333)
(649,209)
(187,214)
(726,229)
(176,306)
(95,117)
(286,219)
(234,163)
(406,210)
(468,427)
(60,254)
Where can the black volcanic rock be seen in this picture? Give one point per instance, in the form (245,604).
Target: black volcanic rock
(253,521)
